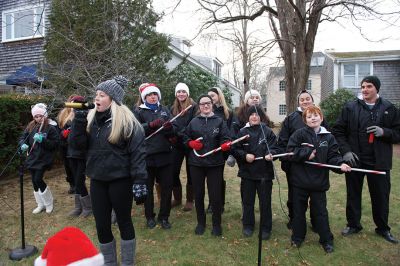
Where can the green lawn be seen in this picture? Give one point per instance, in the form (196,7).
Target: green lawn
(179,246)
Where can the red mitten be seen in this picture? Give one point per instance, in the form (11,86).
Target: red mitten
(65,133)
(167,125)
(156,123)
(226,146)
(195,144)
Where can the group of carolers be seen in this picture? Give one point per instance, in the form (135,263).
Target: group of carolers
(118,148)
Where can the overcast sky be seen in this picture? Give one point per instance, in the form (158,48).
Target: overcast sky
(185,21)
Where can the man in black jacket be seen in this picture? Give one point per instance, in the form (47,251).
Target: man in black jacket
(366,131)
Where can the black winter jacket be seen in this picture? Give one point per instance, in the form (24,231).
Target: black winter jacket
(42,155)
(106,161)
(158,143)
(219,111)
(292,122)
(350,131)
(214,131)
(256,145)
(307,176)
(181,123)
(72,152)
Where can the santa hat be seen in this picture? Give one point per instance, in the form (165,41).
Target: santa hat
(72,247)
(147,88)
(182,87)
(39,109)
(250,93)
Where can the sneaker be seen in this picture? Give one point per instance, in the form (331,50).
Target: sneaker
(328,247)
(265,235)
(199,229)
(247,232)
(164,224)
(151,223)
(216,230)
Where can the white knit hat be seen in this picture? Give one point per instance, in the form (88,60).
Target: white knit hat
(72,247)
(182,87)
(39,109)
(250,93)
(147,88)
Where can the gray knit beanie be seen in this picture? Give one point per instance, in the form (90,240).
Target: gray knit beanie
(114,88)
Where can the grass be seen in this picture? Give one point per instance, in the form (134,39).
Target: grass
(180,246)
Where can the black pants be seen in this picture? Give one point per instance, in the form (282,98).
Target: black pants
(78,167)
(117,195)
(300,203)
(249,189)
(37,180)
(177,159)
(164,178)
(214,184)
(67,168)
(289,202)
(379,191)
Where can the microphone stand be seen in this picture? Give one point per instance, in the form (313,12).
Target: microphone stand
(25,250)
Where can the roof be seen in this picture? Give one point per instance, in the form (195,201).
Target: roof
(365,55)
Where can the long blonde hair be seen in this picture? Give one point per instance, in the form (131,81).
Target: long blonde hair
(64,116)
(123,122)
(222,101)
(177,107)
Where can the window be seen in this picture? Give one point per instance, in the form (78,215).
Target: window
(23,23)
(217,69)
(282,109)
(354,73)
(309,85)
(282,85)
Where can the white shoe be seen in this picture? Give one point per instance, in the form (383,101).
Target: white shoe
(40,205)
(47,198)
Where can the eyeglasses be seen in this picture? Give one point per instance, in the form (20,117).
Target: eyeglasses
(205,104)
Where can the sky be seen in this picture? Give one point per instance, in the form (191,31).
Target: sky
(186,20)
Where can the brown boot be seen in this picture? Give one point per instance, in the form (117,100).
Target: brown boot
(177,191)
(158,190)
(189,199)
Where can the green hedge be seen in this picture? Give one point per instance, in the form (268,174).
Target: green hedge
(15,110)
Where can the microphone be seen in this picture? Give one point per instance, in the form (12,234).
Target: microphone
(80,105)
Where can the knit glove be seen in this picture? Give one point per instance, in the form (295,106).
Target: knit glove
(139,193)
(226,146)
(351,158)
(39,137)
(167,125)
(65,133)
(156,123)
(231,161)
(23,148)
(195,144)
(377,131)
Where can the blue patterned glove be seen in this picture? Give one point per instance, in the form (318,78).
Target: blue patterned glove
(139,193)
(23,148)
(38,137)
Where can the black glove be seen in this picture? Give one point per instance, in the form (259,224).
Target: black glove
(81,113)
(139,193)
(351,158)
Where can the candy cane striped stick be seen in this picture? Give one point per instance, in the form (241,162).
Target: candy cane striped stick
(352,169)
(170,121)
(276,155)
(219,148)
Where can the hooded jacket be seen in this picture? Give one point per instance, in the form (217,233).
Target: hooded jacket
(307,176)
(255,144)
(214,132)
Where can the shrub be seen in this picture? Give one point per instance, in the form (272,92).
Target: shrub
(332,106)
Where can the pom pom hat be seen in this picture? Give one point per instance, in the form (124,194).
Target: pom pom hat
(39,109)
(114,88)
(71,247)
(147,88)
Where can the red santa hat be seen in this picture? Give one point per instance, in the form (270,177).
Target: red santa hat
(147,88)
(72,247)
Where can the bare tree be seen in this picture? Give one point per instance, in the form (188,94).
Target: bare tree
(295,25)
